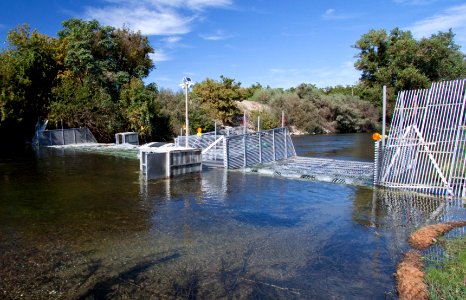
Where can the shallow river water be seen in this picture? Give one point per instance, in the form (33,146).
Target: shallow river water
(79,225)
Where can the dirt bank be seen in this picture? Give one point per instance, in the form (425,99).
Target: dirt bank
(409,273)
(410,277)
(426,236)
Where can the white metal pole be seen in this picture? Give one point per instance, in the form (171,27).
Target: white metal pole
(258,123)
(215,150)
(244,123)
(384,115)
(283,118)
(187,120)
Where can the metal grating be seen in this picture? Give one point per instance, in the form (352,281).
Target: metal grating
(63,137)
(425,150)
(235,150)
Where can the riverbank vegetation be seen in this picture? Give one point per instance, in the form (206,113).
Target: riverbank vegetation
(92,75)
(448,279)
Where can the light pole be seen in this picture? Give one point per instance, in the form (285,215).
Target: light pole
(185,84)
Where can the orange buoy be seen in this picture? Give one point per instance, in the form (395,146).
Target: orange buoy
(376,136)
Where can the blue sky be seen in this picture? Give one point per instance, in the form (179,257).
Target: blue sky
(276,43)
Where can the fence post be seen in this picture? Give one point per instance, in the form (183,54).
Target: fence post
(226,164)
(215,139)
(384,114)
(74,131)
(273,145)
(260,146)
(245,163)
(62,133)
(286,143)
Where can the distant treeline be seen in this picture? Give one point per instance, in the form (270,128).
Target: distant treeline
(92,75)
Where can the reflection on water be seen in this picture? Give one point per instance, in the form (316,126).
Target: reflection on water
(358,147)
(76,225)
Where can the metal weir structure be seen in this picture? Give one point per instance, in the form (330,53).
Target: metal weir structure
(236,148)
(426,148)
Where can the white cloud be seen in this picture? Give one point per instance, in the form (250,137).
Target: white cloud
(217,36)
(333,14)
(343,74)
(159,56)
(172,39)
(453,17)
(414,2)
(153,17)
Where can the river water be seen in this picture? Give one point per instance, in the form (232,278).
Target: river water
(77,225)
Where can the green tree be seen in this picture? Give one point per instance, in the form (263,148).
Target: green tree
(28,68)
(101,85)
(219,97)
(400,62)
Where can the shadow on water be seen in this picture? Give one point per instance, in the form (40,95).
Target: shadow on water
(107,285)
(87,226)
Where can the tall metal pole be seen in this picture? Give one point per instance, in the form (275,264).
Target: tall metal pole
(283,118)
(187,120)
(384,115)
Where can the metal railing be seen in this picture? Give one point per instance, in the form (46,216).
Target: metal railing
(258,147)
(235,150)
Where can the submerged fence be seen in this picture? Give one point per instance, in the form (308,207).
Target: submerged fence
(237,150)
(426,148)
(63,137)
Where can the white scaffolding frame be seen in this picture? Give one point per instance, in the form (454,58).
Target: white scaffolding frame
(425,150)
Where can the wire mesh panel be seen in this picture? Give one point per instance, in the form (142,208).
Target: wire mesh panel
(425,150)
(63,137)
(258,147)
(210,143)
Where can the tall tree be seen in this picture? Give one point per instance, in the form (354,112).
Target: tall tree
(28,68)
(400,62)
(100,62)
(219,97)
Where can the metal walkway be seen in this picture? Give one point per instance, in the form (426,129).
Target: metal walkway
(319,169)
(272,152)
(237,149)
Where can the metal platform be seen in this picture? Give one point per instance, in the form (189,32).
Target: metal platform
(319,169)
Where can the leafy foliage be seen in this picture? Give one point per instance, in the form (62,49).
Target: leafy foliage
(91,75)
(28,69)
(218,97)
(314,110)
(400,62)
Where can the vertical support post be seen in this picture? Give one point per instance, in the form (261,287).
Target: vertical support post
(286,142)
(226,163)
(260,146)
(258,123)
(50,138)
(244,123)
(215,150)
(283,118)
(384,115)
(167,164)
(62,133)
(245,153)
(187,119)
(273,145)
(376,163)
